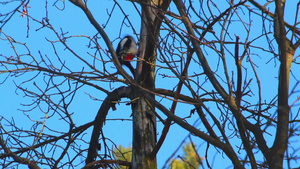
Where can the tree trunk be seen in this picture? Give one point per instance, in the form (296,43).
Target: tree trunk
(286,52)
(144,119)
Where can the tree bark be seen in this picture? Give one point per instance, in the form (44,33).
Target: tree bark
(286,52)
(144,119)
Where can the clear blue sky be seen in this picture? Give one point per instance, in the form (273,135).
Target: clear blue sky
(73,21)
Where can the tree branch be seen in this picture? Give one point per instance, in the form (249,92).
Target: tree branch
(91,18)
(226,148)
(109,102)
(31,164)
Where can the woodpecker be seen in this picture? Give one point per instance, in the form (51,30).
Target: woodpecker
(126,51)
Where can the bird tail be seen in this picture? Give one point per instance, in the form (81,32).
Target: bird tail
(128,64)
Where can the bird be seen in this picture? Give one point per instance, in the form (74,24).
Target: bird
(126,51)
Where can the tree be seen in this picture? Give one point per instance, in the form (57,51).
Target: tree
(123,154)
(189,160)
(224,72)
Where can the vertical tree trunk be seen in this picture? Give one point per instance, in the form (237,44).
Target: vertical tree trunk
(286,52)
(144,135)
(144,120)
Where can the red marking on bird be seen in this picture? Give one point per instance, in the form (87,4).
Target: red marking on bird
(129,57)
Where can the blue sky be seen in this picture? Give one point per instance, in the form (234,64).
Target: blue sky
(72,21)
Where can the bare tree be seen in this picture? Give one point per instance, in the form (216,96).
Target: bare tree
(230,66)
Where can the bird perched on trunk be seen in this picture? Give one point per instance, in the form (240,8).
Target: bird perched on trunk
(126,51)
